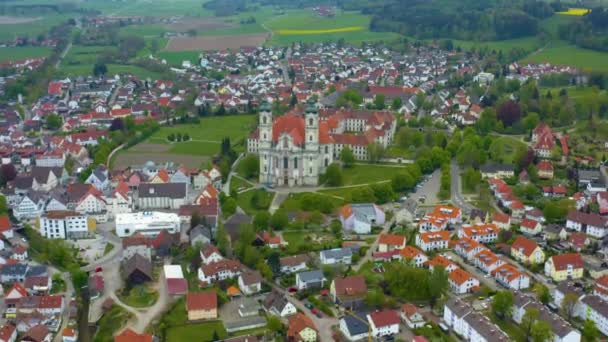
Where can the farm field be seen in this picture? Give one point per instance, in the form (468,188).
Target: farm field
(149,8)
(215,42)
(528,44)
(306,26)
(560,52)
(18,53)
(113,69)
(28,26)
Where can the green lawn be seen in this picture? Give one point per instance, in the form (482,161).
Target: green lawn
(211,129)
(202,332)
(32,28)
(370,173)
(176,58)
(344,193)
(109,247)
(23,52)
(151,8)
(113,69)
(307,20)
(110,323)
(193,147)
(238,184)
(138,297)
(528,44)
(245,200)
(560,52)
(293,201)
(509,148)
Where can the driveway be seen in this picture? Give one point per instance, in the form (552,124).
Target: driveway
(429,189)
(456,189)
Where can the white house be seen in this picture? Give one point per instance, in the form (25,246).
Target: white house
(218,271)
(562,330)
(429,241)
(63,225)
(162,195)
(250,282)
(595,309)
(461,281)
(359,218)
(470,325)
(336,256)
(411,316)
(29,207)
(384,323)
(592,224)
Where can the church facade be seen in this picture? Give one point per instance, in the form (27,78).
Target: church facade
(296,148)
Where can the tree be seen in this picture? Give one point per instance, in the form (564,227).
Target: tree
(438,284)
(53,121)
(502,303)
(333,175)
(375,298)
(471,179)
(383,192)
(274,262)
(509,113)
(261,220)
(221,239)
(229,206)
(542,293)
(264,270)
(379,101)
(375,152)
(7,173)
(279,220)
(590,332)
(530,316)
(3,205)
(402,182)
(397,103)
(347,157)
(100,69)
(569,304)
(336,228)
(274,324)
(541,332)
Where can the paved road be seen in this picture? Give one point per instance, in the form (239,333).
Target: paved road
(324,325)
(456,190)
(63,54)
(67,297)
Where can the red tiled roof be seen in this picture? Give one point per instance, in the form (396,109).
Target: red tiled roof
(131,336)
(177,286)
(562,261)
(459,276)
(350,286)
(201,301)
(385,318)
(297,323)
(526,246)
(391,239)
(5,223)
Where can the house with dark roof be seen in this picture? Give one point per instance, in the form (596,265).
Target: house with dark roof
(250,282)
(99,178)
(494,170)
(11,273)
(161,195)
(561,329)
(465,322)
(278,305)
(354,328)
(293,263)
(589,223)
(200,235)
(137,269)
(310,280)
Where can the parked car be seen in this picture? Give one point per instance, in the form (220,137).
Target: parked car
(99,269)
(319,314)
(308,306)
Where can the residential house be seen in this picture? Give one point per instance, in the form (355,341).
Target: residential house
(354,328)
(38,333)
(470,325)
(487,261)
(210,254)
(129,335)
(502,221)
(468,248)
(161,196)
(591,224)
(8,333)
(218,271)
(530,227)
(336,256)
(69,335)
(300,328)
(545,169)
(555,232)
(595,309)
(429,241)
(510,277)
(561,329)
(64,225)
(439,260)
(349,291)
(601,287)
(384,323)
(200,235)
(11,273)
(278,305)
(6,227)
(359,218)
(294,263)
(564,266)
(483,233)
(461,281)
(99,178)
(390,242)
(250,282)
(494,170)
(413,255)
(30,206)
(138,269)
(310,280)
(201,305)
(527,251)
(411,317)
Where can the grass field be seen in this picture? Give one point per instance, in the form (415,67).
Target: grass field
(344,193)
(139,297)
(110,323)
(508,148)
(18,53)
(113,69)
(562,53)
(211,129)
(244,200)
(369,173)
(528,44)
(150,8)
(306,26)
(33,28)
(202,332)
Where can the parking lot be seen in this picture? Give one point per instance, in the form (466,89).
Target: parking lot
(90,249)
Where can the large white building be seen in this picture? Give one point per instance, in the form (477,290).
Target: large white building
(147,223)
(295,148)
(471,325)
(63,224)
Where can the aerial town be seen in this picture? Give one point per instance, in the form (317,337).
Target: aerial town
(320,191)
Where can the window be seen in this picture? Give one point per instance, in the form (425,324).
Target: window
(264,136)
(310,121)
(326,149)
(326,162)
(310,170)
(310,138)
(264,119)
(285,163)
(295,162)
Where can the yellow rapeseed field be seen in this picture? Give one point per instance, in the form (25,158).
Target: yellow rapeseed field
(289,32)
(575,11)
